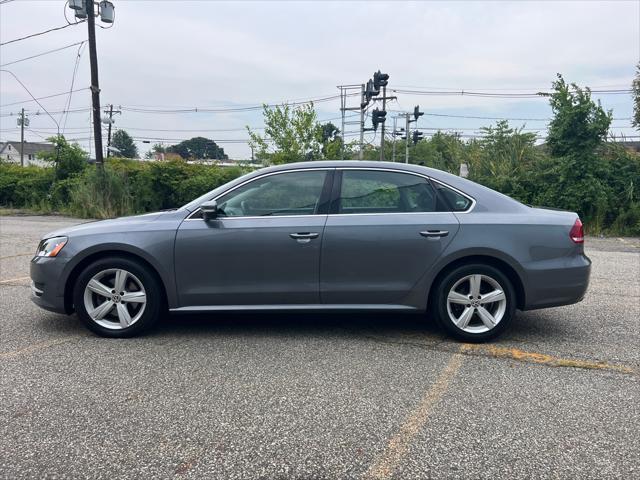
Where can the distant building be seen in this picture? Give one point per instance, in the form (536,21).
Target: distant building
(10,152)
(631,146)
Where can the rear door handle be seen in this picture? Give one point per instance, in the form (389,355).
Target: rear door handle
(304,236)
(434,233)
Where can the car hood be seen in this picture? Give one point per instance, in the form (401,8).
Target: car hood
(113,225)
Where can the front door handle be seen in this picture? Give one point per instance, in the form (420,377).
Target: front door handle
(304,236)
(434,233)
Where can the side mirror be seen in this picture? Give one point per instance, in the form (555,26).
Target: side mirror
(209,210)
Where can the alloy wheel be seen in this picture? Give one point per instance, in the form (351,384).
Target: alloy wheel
(476,303)
(115,298)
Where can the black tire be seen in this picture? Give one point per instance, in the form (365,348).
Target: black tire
(450,279)
(153,307)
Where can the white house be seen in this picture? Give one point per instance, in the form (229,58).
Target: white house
(10,152)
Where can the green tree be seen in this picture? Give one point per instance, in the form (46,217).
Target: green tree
(579,125)
(198,148)
(290,135)
(157,148)
(329,137)
(444,151)
(67,158)
(635,87)
(574,178)
(125,144)
(503,158)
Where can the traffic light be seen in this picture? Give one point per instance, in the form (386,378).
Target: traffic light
(370,91)
(380,80)
(416,112)
(378,116)
(416,136)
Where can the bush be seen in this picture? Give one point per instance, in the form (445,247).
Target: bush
(129,187)
(24,187)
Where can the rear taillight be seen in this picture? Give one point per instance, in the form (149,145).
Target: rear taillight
(576,233)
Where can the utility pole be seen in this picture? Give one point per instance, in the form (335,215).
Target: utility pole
(384,109)
(406,130)
(85,9)
(343,105)
(393,155)
(344,93)
(21,122)
(110,112)
(363,105)
(95,86)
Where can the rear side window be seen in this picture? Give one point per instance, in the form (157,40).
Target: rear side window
(450,200)
(370,191)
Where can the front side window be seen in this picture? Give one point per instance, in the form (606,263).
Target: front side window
(370,191)
(292,193)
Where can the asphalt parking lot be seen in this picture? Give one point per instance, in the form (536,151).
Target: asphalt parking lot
(321,396)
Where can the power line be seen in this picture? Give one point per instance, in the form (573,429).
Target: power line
(502,89)
(40,33)
(73,80)
(42,54)
(131,108)
(502,95)
(448,115)
(43,98)
(31,95)
(76,110)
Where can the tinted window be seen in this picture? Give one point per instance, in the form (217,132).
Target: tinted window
(453,201)
(370,191)
(294,193)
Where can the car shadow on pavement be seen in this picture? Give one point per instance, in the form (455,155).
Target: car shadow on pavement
(525,327)
(296,323)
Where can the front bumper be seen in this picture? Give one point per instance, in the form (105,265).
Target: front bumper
(47,283)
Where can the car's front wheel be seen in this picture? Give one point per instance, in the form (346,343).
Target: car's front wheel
(117,297)
(475,303)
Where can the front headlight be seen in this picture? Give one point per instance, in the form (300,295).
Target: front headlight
(50,247)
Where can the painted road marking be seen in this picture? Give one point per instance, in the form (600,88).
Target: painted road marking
(544,359)
(14,280)
(398,446)
(37,346)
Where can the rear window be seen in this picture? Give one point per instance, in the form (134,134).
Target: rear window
(452,200)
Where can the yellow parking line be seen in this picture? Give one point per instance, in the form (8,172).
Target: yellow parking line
(37,346)
(12,280)
(398,446)
(544,359)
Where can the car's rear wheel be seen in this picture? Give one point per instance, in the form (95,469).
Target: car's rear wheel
(475,303)
(117,297)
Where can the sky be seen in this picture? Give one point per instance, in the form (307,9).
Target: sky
(168,55)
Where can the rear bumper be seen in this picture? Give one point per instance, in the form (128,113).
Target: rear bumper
(47,284)
(562,285)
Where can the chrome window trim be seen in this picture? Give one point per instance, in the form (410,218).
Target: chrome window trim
(382,169)
(465,195)
(326,169)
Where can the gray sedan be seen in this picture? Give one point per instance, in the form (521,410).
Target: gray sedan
(321,236)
